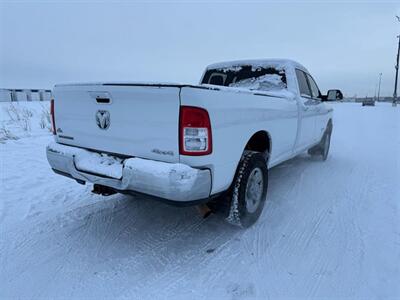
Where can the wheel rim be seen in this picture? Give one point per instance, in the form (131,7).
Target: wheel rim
(254,190)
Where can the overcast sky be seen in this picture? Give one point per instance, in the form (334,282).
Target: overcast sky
(344,45)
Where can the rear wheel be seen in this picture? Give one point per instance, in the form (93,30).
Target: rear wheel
(245,200)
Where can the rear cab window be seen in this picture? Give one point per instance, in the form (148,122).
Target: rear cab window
(249,77)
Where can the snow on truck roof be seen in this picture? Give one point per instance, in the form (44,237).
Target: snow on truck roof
(263,63)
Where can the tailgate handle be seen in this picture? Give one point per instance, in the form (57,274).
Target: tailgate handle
(102,100)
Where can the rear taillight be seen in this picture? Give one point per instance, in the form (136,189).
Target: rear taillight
(53,121)
(195,131)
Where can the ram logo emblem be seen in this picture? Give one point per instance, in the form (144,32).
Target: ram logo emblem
(103,119)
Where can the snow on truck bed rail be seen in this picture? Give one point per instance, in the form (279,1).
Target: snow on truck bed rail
(277,93)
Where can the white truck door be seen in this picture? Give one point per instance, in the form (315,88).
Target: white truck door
(320,117)
(308,110)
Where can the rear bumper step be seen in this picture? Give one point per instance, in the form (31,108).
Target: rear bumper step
(170,181)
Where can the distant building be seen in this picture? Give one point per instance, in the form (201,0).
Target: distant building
(361,99)
(381,99)
(386,99)
(8,95)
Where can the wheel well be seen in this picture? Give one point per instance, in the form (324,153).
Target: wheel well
(260,142)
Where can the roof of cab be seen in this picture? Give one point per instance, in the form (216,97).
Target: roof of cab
(276,63)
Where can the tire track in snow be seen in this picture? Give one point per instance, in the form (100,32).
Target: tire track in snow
(90,224)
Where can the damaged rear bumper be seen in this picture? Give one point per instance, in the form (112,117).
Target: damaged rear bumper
(171,181)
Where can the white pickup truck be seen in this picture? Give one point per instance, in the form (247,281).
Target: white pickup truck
(191,144)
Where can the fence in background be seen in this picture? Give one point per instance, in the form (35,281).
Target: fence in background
(10,95)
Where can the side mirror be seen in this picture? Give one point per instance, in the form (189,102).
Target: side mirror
(334,95)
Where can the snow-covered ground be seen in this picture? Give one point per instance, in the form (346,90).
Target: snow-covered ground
(329,229)
(24,119)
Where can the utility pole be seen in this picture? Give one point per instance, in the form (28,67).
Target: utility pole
(397,70)
(379,87)
(397,74)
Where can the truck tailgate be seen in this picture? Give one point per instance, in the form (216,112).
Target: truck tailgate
(140,121)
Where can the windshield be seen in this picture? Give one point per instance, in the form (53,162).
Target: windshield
(247,77)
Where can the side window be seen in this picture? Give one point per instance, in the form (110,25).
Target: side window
(314,88)
(303,84)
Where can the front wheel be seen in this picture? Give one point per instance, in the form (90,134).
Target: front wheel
(323,146)
(247,195)
(326,144)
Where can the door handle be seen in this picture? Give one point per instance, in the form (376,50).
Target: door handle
(102,100)
(101,97)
